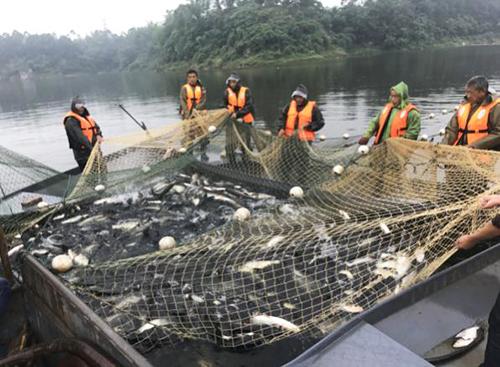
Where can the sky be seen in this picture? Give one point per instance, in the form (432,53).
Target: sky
(82,17)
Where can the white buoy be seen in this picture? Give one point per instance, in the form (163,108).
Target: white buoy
(146,168)
(100,188)
(62,263)
(322,137)
(363,149)
(223,154)
(42,205)
(424,137)
(167,243)
(346,136)
(432,115)
(338,169)
(444,112)
(212,129)
(267,132)
(242,214)
(297,192)
(457,107)
(442,132)
(182,150)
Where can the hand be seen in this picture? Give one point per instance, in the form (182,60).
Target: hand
(100,139)
(465,242)
(281,132)
(363,140)
(233,115)
(489,201)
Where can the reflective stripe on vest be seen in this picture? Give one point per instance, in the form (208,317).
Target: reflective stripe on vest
(399,123)
(87,125)
(236,103)
(299,120)
(193,96)
(475,128)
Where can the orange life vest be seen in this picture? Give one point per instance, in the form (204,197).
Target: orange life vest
(237,102)
(299,120)
(87,125)
(476,127)
(193,95)
(399,122)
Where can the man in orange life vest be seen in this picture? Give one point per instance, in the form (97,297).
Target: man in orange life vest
(399,118)
(239,102)
(477,121)
(82,131)
(301,116)
(193,95)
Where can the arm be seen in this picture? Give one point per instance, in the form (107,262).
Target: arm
(248,107)
(225,100)
(317,122)
(372,127)
(183,103)
(451,131)
(413,125)
(203,101)
(75,134)
(492,141)
(283,117)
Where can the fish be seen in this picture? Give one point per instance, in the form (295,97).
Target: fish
(347,273)
(59,217)
(224,199)
(265,320)
(95,219)
(14,251)
(197,299)
(127,302)
(274,241)
(40,252)
(250,266)
(344,214)
(73,219)
(358,261)
(352,308)
(384,228)
(289,306)
(152,324)
(81,260)
(162,188)
(126,226)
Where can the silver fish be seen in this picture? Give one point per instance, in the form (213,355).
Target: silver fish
(265,320)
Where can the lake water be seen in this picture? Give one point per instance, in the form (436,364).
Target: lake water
(349,92)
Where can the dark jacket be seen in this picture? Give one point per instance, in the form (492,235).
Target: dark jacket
(316,124)
(77,141)
(247,108)
(492,141)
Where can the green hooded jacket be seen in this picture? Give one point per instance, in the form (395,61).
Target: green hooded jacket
(413,117)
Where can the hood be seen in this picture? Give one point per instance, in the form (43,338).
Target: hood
(402,90)
(76,100)
(301,91)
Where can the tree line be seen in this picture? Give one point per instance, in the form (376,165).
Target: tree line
(244,32)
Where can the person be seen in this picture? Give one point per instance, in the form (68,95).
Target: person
(82,131)
(5,292)
(489,231)
(399,118)
(301,116)
(476,123)
(193,95)
(239,103)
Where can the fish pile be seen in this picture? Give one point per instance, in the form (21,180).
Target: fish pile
(138,223)
(247,284)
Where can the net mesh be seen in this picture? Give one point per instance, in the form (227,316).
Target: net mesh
(366,226)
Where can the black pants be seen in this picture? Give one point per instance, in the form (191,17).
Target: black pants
(492,354)
(81,158)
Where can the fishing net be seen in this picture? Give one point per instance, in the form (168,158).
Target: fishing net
(360,226)
(368,226)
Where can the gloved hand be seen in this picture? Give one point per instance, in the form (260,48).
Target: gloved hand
(363,140)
